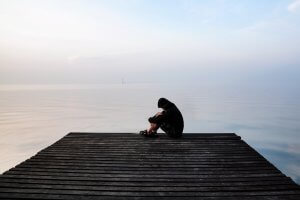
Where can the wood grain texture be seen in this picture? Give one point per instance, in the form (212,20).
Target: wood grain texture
(129,166)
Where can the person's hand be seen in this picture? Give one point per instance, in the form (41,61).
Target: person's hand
(159,113)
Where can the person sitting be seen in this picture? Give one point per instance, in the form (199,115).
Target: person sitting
(170,120)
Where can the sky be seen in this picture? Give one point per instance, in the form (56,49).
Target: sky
(209,41)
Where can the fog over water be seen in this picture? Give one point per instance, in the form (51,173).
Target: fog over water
(33,117)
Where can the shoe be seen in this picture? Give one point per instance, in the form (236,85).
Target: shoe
(144,132)
(151,135)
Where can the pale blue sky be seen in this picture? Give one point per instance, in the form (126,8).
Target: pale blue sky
(102,41)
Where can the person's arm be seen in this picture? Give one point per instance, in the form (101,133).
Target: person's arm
(159,118)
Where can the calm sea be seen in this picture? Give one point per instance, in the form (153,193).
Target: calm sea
(34,116)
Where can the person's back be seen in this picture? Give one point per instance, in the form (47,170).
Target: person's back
(173,123)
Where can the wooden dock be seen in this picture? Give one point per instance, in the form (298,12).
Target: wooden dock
(128,166)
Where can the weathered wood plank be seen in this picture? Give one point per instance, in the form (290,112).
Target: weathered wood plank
(149,176)
(114,179)
(137,192)
(132,158)
(154,165)
(173,162)
(193,162)
(183,170)
(152,188)
(147,172)
(266,182)
(90,197)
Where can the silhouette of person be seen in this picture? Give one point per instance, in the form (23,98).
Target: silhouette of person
(170,120)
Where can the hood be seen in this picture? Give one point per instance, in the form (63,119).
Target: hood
(164,103)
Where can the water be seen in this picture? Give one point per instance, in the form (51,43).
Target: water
(33,117)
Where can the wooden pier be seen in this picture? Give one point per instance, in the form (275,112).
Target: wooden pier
(128,166)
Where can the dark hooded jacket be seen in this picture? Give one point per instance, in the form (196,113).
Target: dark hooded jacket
(171,120)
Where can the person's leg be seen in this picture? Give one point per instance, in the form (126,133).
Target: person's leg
(170,130)
(153,128)
(151,132)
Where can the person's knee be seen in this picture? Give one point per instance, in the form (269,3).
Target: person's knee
(153,125)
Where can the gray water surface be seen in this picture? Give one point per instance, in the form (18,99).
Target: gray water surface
(33,117)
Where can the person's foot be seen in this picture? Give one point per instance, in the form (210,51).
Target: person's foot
(152,135)
(146,134)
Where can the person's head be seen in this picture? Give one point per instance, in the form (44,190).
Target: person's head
(162,103)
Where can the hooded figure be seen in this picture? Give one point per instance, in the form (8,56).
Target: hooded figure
(169,120)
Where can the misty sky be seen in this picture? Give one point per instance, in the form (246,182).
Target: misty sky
(89,41)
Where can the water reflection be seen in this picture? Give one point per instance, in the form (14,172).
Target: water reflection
(34,116)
